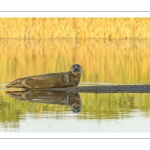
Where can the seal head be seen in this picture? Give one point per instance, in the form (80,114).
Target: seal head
(76,69)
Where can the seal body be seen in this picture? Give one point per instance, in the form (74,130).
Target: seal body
(53,80)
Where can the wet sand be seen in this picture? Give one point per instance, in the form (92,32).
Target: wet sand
(105,89)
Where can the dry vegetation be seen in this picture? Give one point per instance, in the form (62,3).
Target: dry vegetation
(75,28)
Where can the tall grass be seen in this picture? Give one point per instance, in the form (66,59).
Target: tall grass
(75,28)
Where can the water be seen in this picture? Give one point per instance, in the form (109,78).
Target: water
(104,62)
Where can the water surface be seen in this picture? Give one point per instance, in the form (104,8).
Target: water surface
(104,62)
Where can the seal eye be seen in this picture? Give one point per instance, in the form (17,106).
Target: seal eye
(73,66)
(78,66)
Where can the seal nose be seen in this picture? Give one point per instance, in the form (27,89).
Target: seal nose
(76,109)
(76,70)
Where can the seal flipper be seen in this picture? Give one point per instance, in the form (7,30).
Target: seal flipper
(16,83)
(17,94)
(66,78)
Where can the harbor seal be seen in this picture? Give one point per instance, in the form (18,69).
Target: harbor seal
(53,80)
(49,97)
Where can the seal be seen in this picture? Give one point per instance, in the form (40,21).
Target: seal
(53,80)
(72,100)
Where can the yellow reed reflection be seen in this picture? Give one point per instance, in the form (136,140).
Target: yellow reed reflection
(103,61)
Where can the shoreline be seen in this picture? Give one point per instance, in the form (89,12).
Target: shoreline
(104,89)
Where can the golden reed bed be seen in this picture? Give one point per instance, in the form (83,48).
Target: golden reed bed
(75,28)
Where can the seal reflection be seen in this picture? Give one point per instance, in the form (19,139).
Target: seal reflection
(50,97)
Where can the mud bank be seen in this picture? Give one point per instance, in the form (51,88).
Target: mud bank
(105,89)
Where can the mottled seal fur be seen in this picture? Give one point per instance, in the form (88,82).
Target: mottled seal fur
(53,80)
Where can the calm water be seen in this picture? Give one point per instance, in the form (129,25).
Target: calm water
(104,62)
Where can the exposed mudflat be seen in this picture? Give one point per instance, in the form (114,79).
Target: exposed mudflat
(105,89)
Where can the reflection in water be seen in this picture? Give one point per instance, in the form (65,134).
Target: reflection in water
(95,107)
(50,97)
(104,62)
